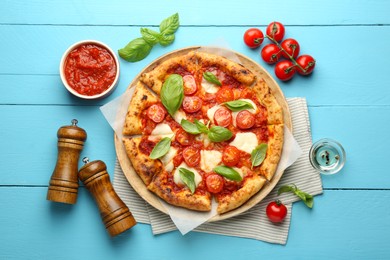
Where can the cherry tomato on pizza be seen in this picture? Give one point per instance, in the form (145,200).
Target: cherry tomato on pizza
(224,94)
(253,37)
(214,183)
(223,117)
(245,119)
(230,156)
(178,159)
(192,104)
(276,31)
(191,156)
(291,46)
(276,211)
(190,87)
(307,62)
(184,138)
(285,70)
(271,53)
(156,112)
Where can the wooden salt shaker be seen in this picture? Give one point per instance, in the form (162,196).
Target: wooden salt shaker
(63,186)
(115,214)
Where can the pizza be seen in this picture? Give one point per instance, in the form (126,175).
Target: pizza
(201,127)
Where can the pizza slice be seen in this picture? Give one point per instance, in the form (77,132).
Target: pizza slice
(184,65)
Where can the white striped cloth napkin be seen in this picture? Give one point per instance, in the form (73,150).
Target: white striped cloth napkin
(253,223)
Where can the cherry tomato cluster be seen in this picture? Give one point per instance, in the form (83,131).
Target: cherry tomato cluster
(278,49)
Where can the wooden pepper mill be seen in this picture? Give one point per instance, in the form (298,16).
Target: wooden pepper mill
(115,214)
(63,186)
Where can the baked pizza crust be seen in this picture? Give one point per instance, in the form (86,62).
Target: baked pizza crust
(142,99)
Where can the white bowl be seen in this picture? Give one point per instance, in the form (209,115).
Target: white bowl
(105,93)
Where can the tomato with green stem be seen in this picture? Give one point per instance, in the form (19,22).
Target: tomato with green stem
(291,48)
(276,31)
(276,211)
(285,70)
(271,53)
(253,37)
(307,63)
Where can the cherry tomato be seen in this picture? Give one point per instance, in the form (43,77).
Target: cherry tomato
(245,119)
(276,31)
(253,38)
(285,70)
(230,156)
(189,85)
(222,117)
(191,156)
(178,159)
(307,62)
(271,53)
(291,46)
(214,183)
(276,211)
(192,104)
(184,138)
(224,94)
(156,112)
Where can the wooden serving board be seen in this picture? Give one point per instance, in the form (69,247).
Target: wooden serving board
(260,72)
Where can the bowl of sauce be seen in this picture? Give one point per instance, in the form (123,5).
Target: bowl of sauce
(89,69)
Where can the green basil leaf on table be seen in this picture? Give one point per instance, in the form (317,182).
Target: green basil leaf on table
(170,24)
(258,154)
(189,127)
(228,173)
(150,36)
(188,177)
(135,50)
(238,105)
(172,93)
(161,148)
(219,134)
(202,127)
(165,40)
(210,77)
(305,197)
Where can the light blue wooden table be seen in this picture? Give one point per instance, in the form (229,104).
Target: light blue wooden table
(348,97)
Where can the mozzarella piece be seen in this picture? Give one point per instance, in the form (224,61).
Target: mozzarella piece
(177,179)
(253,111)
(179,115)
(246,142)
(239,170)
(211,112)
(209,159)
(162,130)
(167,159)
(209,87)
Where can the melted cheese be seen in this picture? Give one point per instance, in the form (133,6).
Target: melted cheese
(209,160)
(211,112)
(162,130)
(167,159)
(253,111)
(246,142)
(209,87)
(179,115)
(176,175)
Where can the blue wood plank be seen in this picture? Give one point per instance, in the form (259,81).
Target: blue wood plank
(35,228)
(28,136)
(344,63)
(203,12)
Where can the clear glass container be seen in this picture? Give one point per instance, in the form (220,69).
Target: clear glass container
(327,156)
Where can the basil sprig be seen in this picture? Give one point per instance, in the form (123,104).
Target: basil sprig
(139,48)
(215,133)
(188,177)
(305,197)
(172,93)
(210,77)
(161,148)
(228,173)
(258,154)
(238,105)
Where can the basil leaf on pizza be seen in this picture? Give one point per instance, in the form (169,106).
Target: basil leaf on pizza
(258,154)
(190,127)
(172,93)
(228,173)
(202,127)
(238,105)
(219,134)
(188,177)
(161,148)
(210,77)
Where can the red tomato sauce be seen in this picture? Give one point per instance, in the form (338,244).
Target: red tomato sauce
(90,69)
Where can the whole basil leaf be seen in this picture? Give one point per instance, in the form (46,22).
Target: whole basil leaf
(161,148)
(202,127)
(238,105)
(165,40)
(286,188)
(219,134)
(210,77)
(189,127)
(172,93)
(150,36)
(228,173)
(258,154)
(188,177)
(135,50)
(305,197)
(170,24)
